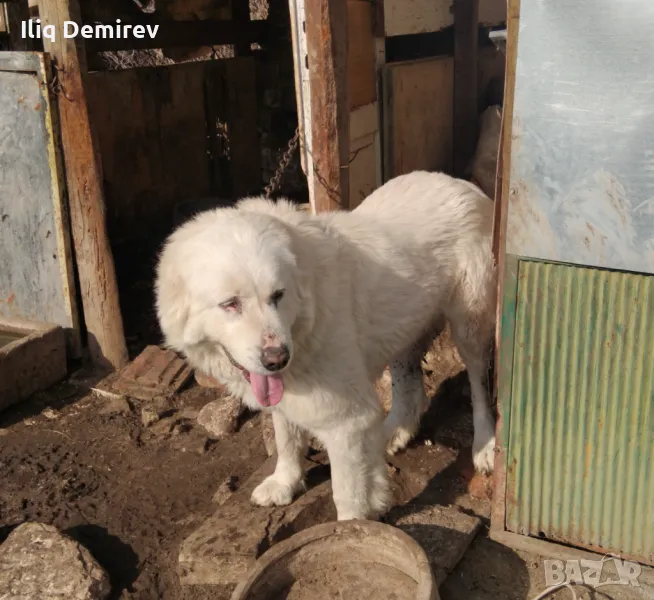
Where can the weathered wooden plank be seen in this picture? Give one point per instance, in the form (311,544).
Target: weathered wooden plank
(95,265)
(327,45)
(241,116)
(364,133)
(37,279)
(406,17)
(466,54)
(418,116)
(361,54)
(173,133)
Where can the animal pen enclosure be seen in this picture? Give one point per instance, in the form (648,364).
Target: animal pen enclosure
(376,88)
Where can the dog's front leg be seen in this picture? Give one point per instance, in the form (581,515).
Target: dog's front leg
(280,488)
(359,477)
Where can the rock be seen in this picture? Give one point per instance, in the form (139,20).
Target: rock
(51,414)
(220,417)
(205,381)
(226,489)
(149,416)
(226,545)
(37,561)
(160,408)
(115,404)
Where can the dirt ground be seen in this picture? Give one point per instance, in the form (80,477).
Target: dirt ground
(131,493)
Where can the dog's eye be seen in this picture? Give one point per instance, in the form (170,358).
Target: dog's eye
(276,297)
(231,305)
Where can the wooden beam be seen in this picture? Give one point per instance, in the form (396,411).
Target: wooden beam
(326,34)
(466,47)
(95,265)
(190,34)
(502,191)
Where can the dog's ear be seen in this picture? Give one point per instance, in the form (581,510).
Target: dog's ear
(172,303)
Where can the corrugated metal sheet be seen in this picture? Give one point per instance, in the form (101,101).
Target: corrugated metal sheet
(581,429)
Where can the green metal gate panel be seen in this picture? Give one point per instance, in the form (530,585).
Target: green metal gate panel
(581,417)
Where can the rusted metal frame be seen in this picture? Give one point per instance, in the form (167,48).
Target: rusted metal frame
(94,259)
(507,267)
(466,73)
(327,43)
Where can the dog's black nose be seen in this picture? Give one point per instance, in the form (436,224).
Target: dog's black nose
(274,358)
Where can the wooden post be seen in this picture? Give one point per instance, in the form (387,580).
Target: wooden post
(95,265)
(466,42)
(326,35)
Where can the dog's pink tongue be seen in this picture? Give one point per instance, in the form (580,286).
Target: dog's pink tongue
(267,389)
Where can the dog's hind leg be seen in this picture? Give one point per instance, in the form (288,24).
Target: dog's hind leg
(280,488)
(409,400)
(472,338)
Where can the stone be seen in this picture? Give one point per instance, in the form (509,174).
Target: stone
(32,362)
(444,532)
(154,372)
(37,561)
(220,417)
(115,404)
(205,381)
(225,490)
(160,407)
(228,544)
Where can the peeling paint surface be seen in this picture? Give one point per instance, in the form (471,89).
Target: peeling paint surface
(36,281)
(582,155)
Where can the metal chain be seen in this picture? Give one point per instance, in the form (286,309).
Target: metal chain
(285,161)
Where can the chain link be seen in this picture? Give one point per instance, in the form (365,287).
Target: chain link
(285,161)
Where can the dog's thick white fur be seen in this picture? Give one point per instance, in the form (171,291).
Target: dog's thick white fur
(347,293)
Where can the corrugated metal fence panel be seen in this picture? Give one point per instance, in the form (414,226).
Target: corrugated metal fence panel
(581,432)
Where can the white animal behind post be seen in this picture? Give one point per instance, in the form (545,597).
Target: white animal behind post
(299,315)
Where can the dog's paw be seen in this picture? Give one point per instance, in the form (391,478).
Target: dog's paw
(272,493)
(483,456)
(398,440)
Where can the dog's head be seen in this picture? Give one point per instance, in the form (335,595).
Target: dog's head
(228,281)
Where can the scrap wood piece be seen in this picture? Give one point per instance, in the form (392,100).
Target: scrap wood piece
(155,372)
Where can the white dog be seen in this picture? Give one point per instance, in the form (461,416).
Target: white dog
(300,315)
